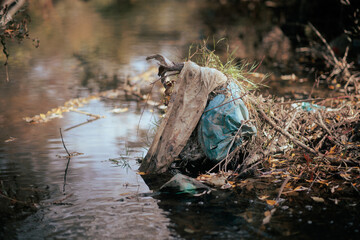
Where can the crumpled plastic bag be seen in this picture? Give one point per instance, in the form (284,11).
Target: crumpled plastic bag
(220,123)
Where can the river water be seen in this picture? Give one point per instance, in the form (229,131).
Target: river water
(87,46)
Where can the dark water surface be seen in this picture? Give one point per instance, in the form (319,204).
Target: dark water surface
(86,46)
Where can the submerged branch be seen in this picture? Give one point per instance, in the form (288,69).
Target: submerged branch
(86,113)
(62,140)
(68,158)
(80,124)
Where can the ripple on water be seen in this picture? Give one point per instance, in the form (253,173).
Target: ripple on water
(134,218)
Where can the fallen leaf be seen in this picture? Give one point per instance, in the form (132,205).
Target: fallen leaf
(57,112)
(43,116)
(217,180)
(271,202)
(335,200)
(189,230)
(318,199)
(204,176)
(162,107)
(323,182)
(152,103)
(227,186)
(232,183)
(332,150)
(119,110)
(300,188)
(10,139)
(74,154)
(333,188)
(263,197)
(123,194)
(268,215)
(345,176)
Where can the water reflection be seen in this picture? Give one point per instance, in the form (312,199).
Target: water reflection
(84,46)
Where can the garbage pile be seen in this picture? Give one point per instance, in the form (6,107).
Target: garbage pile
(195,126)
(215,118)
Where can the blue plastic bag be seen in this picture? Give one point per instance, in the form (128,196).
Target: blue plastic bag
(219,124)
(309,107)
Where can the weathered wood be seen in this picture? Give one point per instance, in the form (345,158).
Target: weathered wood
(9,9)
(166,66)
(186,106)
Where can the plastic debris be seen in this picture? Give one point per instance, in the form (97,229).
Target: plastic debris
(183,184)
(220,123)
(306,106)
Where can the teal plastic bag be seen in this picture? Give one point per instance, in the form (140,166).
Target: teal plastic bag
(219,124)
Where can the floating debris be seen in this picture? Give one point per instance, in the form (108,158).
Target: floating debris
(11,139)
(119,110)
(131,88)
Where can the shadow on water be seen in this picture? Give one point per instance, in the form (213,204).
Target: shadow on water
(87,46)
(239,214)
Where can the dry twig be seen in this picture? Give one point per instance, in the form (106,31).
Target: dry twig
(68,157)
